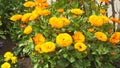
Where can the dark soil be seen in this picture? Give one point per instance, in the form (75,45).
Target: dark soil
(9,45)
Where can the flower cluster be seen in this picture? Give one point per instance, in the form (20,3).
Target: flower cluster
(9,58)
(67,35)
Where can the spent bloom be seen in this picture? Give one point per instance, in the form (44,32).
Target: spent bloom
(80,46)
(101,36)
(64,39)
(6,65)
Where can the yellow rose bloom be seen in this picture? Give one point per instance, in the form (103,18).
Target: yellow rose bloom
(115,38)
(38,48)
(80,46)
(29,4)
(25,17)
(8,56)
(39,39)
(101,36)
(77,11)
(16,17)
(56,22)
(65,21)
(14,59)
(64,39)
(6,65)
(48,47)
(79,37)
(28,30)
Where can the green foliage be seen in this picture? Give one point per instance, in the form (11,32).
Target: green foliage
(97,54)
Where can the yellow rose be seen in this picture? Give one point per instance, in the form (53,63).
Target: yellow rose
(80,46)
(28,30)
(6,65)
(64,39)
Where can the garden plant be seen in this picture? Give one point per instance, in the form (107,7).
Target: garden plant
(65,34)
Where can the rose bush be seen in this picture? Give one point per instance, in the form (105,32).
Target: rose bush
(66,34)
